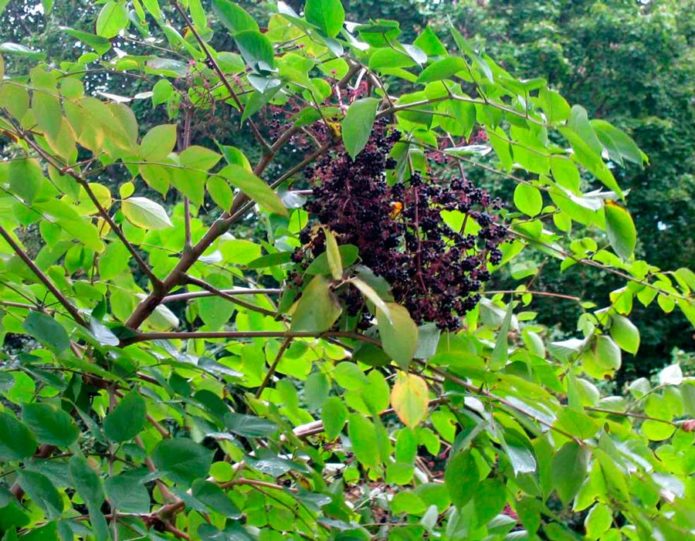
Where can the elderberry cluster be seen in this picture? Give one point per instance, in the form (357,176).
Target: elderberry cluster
(434,271)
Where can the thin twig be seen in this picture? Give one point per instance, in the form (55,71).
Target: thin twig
(62,299)
(231,298)
(271,369)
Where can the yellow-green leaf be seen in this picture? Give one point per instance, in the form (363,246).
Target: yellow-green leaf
(409,399)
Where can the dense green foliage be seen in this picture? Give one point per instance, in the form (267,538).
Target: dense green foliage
(196,347)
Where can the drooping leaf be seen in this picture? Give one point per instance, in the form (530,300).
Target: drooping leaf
(363,436)
(569,470)
(357,125)
(335,262)
(399,333)
(625,333)
(334,415)
(621,230)
(461,478)
(317,309)
(42,491)
(256,49)
(254,188)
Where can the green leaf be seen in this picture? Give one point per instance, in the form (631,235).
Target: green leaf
(603,358)
(46,109)
(501,351)
(372,296)
(127,419)
(357,125)
(112,18)
(617,143)
(52,426)
(442,69)
(490,499)
(362,434)
(569,470)
(621,230)
(625,334)
(42,491)
(348,255)
(234,156)
(256,49)
(410,399)
(199,158)
(89,486)
(528,199)
(127,493)
(26,178)
(145,213)
(334,415)
(233,16)
(461,478)
(158,143)
(317,309)
(87,482)
(328,15)
(399,333)
(16,440)
(598,521)
(47,331)
(249,426)
(579,123)
(215,498)
(254,188)
(182,460)
(221,193)
(335,262)
(99,44)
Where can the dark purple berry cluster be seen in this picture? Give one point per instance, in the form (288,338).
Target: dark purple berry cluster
(434,271)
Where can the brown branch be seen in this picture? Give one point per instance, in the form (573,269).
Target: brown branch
(271,370)
(220,293)
(71,308)
(240,335)
(228,292)
(532,292)
(66,169)
(482,392)
(215,66)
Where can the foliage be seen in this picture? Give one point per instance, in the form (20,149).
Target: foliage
(644,85)
(179,374)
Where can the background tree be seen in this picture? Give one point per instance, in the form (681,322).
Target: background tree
(305,335)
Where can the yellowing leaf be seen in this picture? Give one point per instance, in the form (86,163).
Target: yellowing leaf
(145,213)
(409,399)
(334,261)
(158,142)
(398,334)
(317,309)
